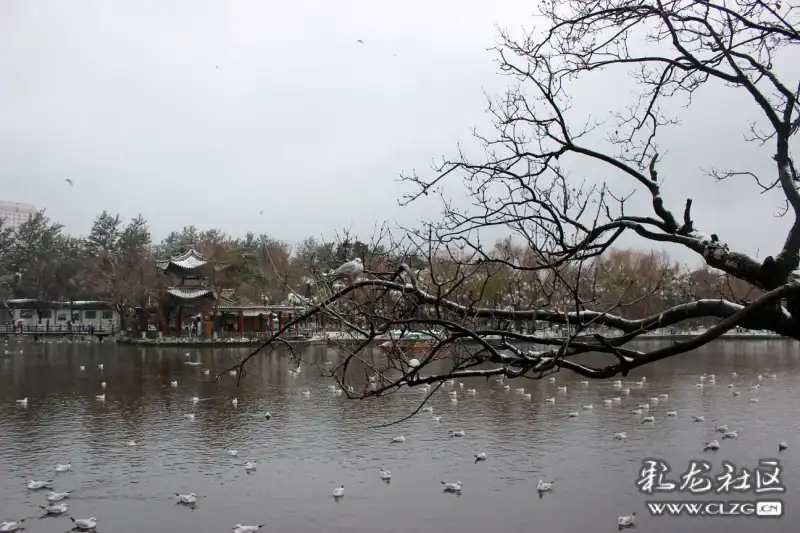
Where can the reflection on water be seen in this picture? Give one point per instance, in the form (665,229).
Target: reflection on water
(313,444)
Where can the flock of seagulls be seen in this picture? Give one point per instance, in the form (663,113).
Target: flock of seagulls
(55,500)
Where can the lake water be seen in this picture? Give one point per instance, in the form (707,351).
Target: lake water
(313,444)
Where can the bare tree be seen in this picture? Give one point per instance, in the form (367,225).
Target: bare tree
(565,230)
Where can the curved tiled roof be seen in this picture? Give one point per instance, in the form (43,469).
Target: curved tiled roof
(189,294)
(190,260)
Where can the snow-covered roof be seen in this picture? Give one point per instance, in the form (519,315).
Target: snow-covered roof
(189,294)
(190,260)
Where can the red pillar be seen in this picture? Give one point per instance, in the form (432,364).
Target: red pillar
(241,323)
(271,321)
(280,319)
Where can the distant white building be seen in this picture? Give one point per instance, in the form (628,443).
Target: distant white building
(30,312)
(16,214)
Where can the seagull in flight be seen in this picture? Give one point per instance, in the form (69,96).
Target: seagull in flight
(360,41)
(261,212)
(70,182)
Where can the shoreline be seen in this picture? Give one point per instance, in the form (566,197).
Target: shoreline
(218,343)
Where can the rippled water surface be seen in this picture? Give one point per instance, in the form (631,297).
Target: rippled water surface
(313,444)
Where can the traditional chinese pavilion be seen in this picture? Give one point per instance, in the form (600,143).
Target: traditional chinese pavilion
(191,293)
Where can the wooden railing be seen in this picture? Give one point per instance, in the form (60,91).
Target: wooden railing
(43,329)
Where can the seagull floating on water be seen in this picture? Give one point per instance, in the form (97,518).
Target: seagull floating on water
(85,524)
(544,486)
(401,438)
(753,400)
(626,521)
(621,435)
(102,384)
(338,492)
(187,498)
(782,446)
(452,487)
(250,466)
(573,414)
(239,528)
(56,509)
(64,468)
(562,389)
(550,400)
(173,383)
(386,475)
(233,453)
(23,401)
(730,434)
(672,413)
(437,418)
(721,428)
(235,402)
(130,443)
(457,433)
(11,526)
(53,497)
(480,457)
(648,419)
(713,445)
(267,416)
(698,419)
(588,407)
(190,416)
(101,397)
(37,485)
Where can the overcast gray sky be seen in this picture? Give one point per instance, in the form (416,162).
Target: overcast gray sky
(202,112)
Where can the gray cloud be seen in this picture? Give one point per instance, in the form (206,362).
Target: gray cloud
(299,120)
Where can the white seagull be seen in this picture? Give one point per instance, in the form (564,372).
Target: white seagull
(338,492)
(173,383)
(782,446)
(101,397)
(480,457)
(621,435)
(239,528)
(401,438)
(626,521)
(64,468)
(544,486)
(102,384)
(452,487)
(85,524)
(59,508)
(457,433)
(386,475)
(54,497)
(250,466)
(188,499)
(351,269)
(37,485)
(233,453)
(235,402)
(713,445)
(23,401)
(11,526)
